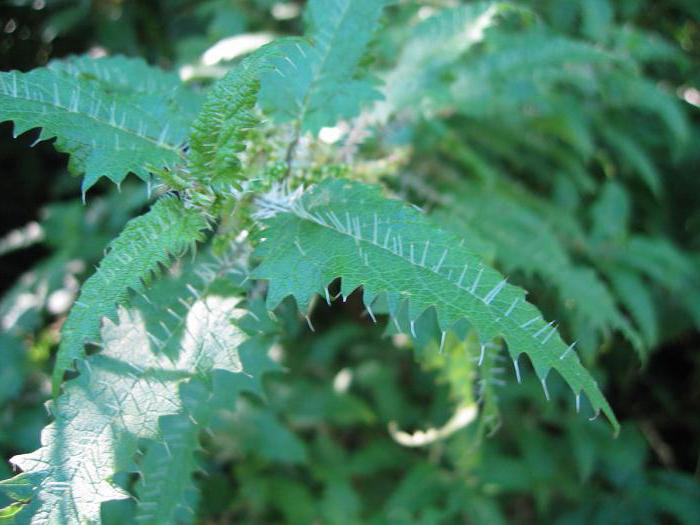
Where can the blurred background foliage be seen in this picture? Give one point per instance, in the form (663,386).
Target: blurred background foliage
(579,181)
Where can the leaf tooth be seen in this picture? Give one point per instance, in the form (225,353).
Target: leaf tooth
(544,387)
(371,314)
(517,369)
(550,334)
(156,341)
(308,322)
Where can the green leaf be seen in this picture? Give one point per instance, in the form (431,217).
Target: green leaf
(7,515)
(527,68)
(625,92)
(432,48)
(631,153)
(134,390)
(110,122)
(318,82)
(13,367)
(128,74)
(147,242)
(219,133)
(634,293)
(524,240)
(256,430)
(160,92)
(391,250)
(166,490)
(611,213)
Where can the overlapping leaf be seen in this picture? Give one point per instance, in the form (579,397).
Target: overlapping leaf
(155,384)
(147,242)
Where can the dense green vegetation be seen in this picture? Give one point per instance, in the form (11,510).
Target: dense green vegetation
(353,261)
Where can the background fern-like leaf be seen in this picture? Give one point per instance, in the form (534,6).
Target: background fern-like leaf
(522,68)
(430,49)
(552,136)
(392,251)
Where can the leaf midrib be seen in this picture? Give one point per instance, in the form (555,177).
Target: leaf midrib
(473,295)
(572,372)
(127,131)
(317,75)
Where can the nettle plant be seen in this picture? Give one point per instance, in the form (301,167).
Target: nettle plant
(251,208)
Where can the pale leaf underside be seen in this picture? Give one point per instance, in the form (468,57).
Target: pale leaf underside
(154,384)
(147,242)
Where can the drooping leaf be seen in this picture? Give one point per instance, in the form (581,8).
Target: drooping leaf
(637,298)
(631,154)
(524,240)
(391,250)
(628,91)
(253,429)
